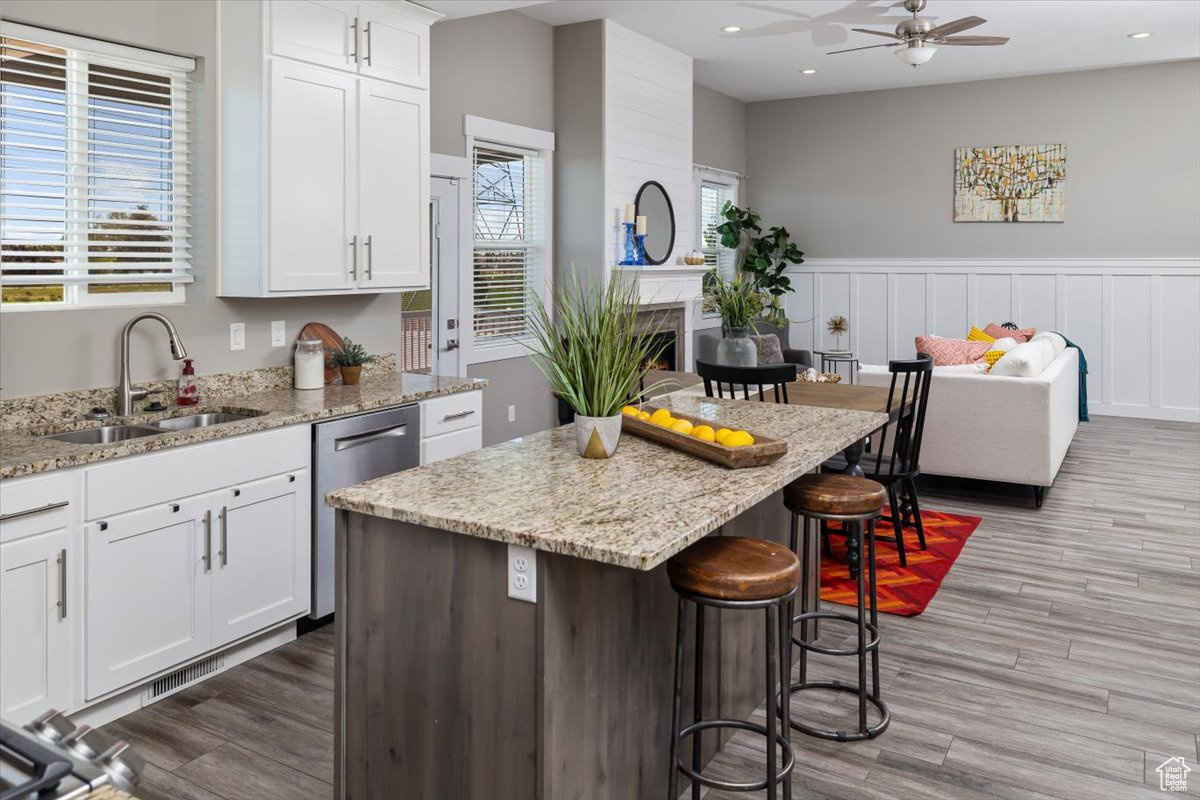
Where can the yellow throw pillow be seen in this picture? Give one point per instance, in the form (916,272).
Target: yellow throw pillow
(992,356)
(976,335)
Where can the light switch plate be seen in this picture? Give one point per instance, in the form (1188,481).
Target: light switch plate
(237,336)
(278,333)
(522,573)
(512,413)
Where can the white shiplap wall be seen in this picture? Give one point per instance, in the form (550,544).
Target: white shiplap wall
(647,130)
(1135,319)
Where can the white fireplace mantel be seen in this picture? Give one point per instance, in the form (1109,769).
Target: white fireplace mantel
(671,286)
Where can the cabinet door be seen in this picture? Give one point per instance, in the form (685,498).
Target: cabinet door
(263,552)
(448,445)
(394,47)
(148,592)
(394,183)
(34,637)
(312,179)
(318,32)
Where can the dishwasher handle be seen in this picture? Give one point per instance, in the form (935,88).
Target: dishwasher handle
(368,437)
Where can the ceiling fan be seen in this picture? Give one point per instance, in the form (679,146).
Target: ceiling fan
(916,37)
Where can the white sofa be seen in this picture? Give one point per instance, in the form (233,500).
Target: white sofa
(996,427)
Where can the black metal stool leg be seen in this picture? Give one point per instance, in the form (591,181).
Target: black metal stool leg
(874,606)
(698,698)
(785,680)
(772,659)
(862,635)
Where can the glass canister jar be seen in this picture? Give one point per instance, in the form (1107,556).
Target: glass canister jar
(310,364)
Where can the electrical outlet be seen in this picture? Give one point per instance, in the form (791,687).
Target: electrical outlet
(512,413)
(522,573)
(237,336)
(278,333)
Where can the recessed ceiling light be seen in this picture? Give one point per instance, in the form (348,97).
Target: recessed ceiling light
(732,28)
(808,72)
(1139,35)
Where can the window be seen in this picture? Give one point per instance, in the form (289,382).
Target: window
(511,200)
(715,190)
(94,172)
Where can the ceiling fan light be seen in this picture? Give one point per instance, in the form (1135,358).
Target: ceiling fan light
(916,55)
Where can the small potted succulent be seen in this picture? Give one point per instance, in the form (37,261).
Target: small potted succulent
(350,359)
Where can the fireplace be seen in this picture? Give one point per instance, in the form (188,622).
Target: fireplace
(664,324)
(664,351)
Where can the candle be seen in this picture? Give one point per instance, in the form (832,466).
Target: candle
(629,212)
(641,226)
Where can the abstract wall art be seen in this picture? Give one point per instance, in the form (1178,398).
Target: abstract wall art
(1010,183)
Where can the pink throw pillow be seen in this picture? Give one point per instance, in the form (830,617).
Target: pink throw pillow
(1000,332)
(947,352)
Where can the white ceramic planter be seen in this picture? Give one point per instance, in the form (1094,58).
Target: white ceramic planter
(597,437)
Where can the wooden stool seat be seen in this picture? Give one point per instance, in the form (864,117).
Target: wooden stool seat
(735,568)
(835,495)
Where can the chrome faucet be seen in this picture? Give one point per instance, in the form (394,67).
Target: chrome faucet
(126,394)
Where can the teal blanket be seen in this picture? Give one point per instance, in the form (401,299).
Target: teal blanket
(1083,401)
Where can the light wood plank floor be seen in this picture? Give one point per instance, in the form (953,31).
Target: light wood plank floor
(1061,659)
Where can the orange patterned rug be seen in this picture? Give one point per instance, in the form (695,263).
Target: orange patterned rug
(904,591)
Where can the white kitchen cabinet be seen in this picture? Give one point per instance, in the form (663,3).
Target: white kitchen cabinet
(34,630)
(317,31)
(448,445)
(394,185)
(451,425)
(260,571)
(148,595)
(395,46)
(313,178)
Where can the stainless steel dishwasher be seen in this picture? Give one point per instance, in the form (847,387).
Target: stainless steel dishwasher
(347,451)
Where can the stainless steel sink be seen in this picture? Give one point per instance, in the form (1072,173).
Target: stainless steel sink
(199,420)
(106,434)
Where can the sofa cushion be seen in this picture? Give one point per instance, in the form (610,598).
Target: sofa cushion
(999,331)
(946,352)
(1005,344)
(992,356)
(1055,339)
(1026,360)
(976,335)
(769,351)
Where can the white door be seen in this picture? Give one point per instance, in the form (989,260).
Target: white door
(393,126)
(34,636)
(447,267)
(312,179)
(261,555)
(394,48)
(148,592)
(318,32)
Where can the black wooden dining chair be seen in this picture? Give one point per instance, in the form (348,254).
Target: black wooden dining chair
(726,378)
(897,464)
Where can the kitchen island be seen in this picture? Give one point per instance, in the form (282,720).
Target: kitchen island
(447,687)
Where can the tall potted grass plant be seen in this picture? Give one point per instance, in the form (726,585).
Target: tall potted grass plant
(740,303)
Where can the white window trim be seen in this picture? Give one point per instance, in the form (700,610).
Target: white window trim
(504,133)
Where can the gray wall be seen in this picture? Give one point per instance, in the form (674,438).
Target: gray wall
(49,351)
(513,83)
(718,130)
(871,174)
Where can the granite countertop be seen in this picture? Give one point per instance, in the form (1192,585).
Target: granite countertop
(634,510)
(23,452)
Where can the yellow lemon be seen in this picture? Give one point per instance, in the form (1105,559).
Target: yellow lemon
(663,422)
(658,416)
(630,411)
(704,433)
(721,434)
(644,415)
(738,439)
(681,426)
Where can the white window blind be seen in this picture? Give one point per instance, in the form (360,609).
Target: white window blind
(94,172)
(713,197)
(510,250)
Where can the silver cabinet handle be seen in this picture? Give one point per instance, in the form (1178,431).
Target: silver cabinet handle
(459,415)
(62,583)
(358,439)
(354,40)
(370,255)
(354,257)
(368,33)
(224,551)
(30,511)
(208,540)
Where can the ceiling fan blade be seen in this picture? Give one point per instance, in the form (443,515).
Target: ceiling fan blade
(955,26)
(888,34)
(976,41)
(868,47)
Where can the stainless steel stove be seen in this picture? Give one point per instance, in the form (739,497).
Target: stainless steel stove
(52,758)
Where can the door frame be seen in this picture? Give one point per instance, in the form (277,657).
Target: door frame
(459,167)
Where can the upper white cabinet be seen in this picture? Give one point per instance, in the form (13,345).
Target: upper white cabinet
(324,147)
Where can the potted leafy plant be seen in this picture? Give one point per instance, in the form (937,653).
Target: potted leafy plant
(349,358)
(740,303)
(595,356)
(764,257)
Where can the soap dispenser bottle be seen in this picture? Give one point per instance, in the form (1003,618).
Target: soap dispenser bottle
(189,391)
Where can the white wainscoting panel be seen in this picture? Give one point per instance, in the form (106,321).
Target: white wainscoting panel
(1136,320)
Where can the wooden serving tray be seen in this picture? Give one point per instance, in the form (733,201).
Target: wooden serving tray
(765,449)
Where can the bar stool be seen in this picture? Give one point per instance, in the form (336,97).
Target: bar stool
(855,503)
(736,573)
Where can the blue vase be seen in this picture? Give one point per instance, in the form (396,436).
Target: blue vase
(631,258)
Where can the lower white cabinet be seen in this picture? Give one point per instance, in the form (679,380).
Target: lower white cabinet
(34,634)
(448,445)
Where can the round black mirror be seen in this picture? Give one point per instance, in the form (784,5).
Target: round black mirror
(654,204)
